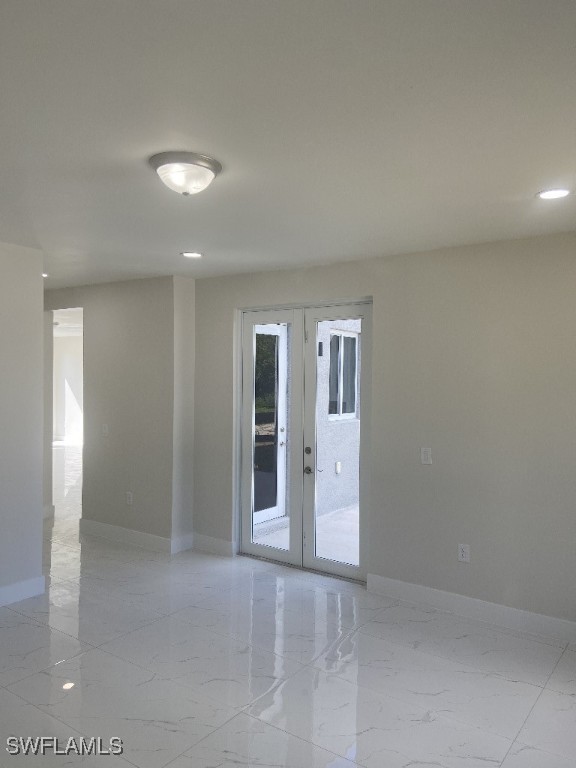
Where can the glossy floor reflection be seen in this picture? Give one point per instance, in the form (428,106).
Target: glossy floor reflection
(197,661)
(67,479)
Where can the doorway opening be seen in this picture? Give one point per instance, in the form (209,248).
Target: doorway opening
(68,417)
(305,403)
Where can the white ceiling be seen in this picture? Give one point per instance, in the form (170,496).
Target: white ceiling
(346,128)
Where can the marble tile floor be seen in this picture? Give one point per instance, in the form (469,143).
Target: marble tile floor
(67,479)
(197,661)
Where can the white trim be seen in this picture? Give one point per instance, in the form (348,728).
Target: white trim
(22,590)
(237,433)
(49,510)
(297,316)
(126,535)
(279,509)
(308,305)
(313,316)
(137,538)
(214,546)
(560,630)
(250,320)
(182,543)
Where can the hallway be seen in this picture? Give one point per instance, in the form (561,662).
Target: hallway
(67,480)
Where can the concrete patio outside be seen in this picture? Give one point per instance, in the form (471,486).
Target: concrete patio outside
(336,535)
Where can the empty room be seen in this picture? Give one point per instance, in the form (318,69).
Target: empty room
(288,391)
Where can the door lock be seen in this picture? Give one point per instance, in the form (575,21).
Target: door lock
(307,470)
(308,450)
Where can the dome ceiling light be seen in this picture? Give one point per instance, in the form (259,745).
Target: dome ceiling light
(553,194)
(185,172)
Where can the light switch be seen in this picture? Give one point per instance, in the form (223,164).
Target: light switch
(338,467)
(426,455)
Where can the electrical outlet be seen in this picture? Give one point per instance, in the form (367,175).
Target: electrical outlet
(129,498)
(464,553)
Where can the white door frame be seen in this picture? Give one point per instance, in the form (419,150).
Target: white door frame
(314,315)
(279,510)
(293,489)
(300,487)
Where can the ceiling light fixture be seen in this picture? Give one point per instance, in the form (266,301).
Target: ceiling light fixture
(191,254)
(44,274)
(553,194)
(185,172)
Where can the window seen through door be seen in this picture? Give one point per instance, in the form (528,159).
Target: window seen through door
(343,374)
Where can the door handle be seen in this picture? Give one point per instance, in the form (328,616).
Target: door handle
(307,470)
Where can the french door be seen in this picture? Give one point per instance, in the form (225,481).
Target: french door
(305,436)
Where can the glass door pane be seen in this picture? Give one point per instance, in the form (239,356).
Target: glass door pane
(336,376)
(271,415)
(303,394)
(337,528)
(270,522)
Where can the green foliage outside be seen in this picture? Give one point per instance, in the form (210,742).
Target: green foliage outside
(265,372)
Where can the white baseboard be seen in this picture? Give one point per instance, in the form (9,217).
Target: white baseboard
(182,543)
(49,510)
(559,630)
(214,546)
(22,590)
(157,543)
(125,535)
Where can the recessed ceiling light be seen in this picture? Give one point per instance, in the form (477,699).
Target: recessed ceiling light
(192,254)
(68,686)
(553,194)
(44,274)
(185,172)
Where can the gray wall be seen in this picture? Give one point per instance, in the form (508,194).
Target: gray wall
(183,417)
(336,439)
(473,356)
(21,401)
(128,385)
